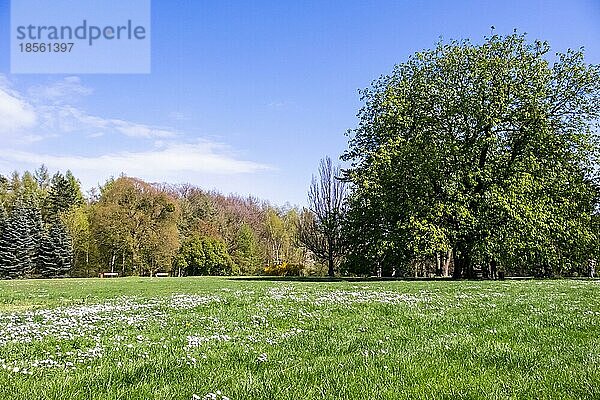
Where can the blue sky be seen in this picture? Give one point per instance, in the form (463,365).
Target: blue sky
(246,97)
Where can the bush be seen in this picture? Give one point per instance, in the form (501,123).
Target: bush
(283,269)
(204,256)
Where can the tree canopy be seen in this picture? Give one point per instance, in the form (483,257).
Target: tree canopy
(488,151)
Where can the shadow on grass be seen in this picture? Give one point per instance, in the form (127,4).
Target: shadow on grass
(334,279)
(389,279)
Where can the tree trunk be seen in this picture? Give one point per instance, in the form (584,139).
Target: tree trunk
(87,260)
(463,267)
(447,262)
(112,262)
(330,271)
(468,266)
(330,265)
(457,273)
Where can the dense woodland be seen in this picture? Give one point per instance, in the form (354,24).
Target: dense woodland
(49,228)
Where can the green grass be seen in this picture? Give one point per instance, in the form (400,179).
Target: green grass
(141,338)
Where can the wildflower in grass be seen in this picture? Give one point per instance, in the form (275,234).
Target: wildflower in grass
(262,357)
(211,396)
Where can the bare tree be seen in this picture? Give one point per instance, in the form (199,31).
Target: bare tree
(320,226)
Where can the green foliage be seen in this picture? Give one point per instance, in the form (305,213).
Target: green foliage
(204,256)
(55,252)
(135,228)
(76,221)
(42,177)
(246,251)
(27,249)
(281,231)
(138,222)
(10,265)
(486,150)
(64,193)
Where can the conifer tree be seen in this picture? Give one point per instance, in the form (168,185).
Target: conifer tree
(47,260)
(9,259)
(24,237)
(64,193)
(3,216)
(64,246)
(42,177)
(35,228)
(5,248)
(55,252)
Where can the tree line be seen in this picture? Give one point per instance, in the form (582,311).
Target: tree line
(48,228)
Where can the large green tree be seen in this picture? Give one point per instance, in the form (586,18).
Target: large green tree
(137,221)
(487,151)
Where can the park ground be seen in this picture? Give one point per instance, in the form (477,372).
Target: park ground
(222,338)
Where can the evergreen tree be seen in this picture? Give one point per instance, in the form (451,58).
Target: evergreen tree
(42,177)
(10,266)
(63,248)
(3,216)
(75,195)
(30,191)
(24,248)
(22,239)
(55,251)
(4,187)
(35,229)
(47,260)
(64,193)
(5,247)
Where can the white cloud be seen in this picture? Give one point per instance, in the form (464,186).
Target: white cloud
(15,113)
(69,89)
(175,162)
(69,119)
(46,112)
(140,130)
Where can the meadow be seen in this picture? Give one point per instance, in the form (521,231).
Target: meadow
(220,338)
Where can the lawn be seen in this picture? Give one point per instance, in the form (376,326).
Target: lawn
(219,338)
